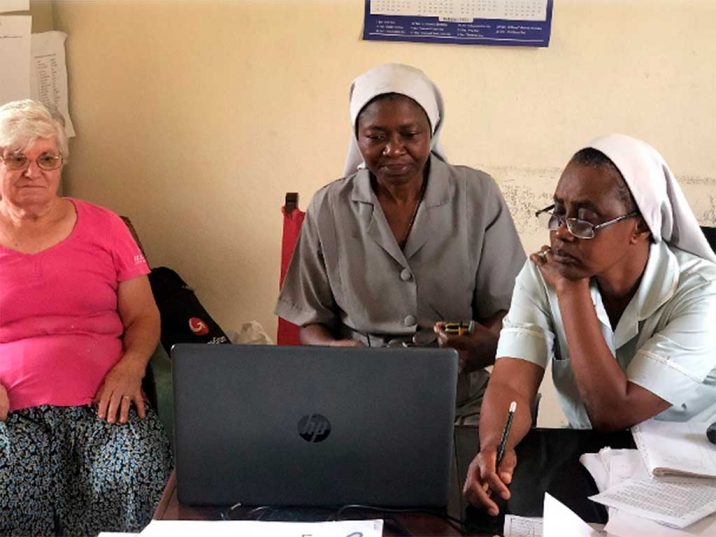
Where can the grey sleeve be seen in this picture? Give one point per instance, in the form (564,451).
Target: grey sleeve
(306,295)
(501,259)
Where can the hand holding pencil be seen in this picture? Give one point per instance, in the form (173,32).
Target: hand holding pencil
(491,470)
(506,432)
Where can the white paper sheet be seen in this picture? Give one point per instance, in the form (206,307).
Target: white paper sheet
(48,82)
(560,521)
(610,467)
(520,526)
(676,502)
(625,464)
(623,524)
(595,465)
(249,528)
(14,57)
(675,448)
(14,5)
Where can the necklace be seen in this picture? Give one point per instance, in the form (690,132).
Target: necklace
(404,237)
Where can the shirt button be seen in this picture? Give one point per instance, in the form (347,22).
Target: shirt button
(405,275)
(409,320)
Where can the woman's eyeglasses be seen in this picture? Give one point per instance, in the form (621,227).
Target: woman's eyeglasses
(580,229)
(46,161)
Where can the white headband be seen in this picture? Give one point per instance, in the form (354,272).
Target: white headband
(657,193)
(394,78)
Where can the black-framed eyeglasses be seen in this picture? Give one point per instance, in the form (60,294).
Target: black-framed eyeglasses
(46,161)
(580,229)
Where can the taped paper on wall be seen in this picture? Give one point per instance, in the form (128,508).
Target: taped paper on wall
(14,57)
(48,83)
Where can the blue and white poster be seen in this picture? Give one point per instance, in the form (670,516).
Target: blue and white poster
(524,23)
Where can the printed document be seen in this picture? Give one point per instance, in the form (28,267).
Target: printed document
(623,524)
(520,526)
(674,501)
(48,83)
(609,468)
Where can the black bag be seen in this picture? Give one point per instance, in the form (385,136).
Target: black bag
(184,319)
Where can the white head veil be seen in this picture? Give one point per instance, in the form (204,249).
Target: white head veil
(657,193)
(394,78)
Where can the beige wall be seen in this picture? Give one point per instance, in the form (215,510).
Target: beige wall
(42,15)
(195,117)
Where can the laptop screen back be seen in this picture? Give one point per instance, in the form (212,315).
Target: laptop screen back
(308,426)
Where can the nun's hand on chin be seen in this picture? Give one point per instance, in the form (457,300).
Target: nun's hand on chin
(550,270)
(553,272)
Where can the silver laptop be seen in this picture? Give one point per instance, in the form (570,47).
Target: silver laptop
(313,426)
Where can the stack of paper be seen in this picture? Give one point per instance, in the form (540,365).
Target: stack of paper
(676,502)
(641,504)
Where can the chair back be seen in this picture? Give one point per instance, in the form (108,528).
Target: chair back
(288,333)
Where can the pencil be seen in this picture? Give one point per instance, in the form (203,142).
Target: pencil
(506,432)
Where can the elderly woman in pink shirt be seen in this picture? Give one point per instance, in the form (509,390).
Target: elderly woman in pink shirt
(80,452)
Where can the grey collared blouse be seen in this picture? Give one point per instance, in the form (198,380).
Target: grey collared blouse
(348,272)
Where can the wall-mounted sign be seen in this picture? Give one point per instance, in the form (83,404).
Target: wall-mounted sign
(467,22)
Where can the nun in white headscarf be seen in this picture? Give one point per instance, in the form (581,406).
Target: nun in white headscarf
(622,304)
(393,78)
(404,241)
(656,193)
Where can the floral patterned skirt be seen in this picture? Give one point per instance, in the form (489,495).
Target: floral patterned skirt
(63,471)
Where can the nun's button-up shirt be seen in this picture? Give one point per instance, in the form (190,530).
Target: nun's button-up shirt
(665,340)
(459,263)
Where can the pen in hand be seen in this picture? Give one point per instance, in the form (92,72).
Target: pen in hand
(506,432)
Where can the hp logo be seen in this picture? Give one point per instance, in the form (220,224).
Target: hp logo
(314,427)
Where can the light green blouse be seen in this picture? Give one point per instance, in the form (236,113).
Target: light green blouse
(665,340)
